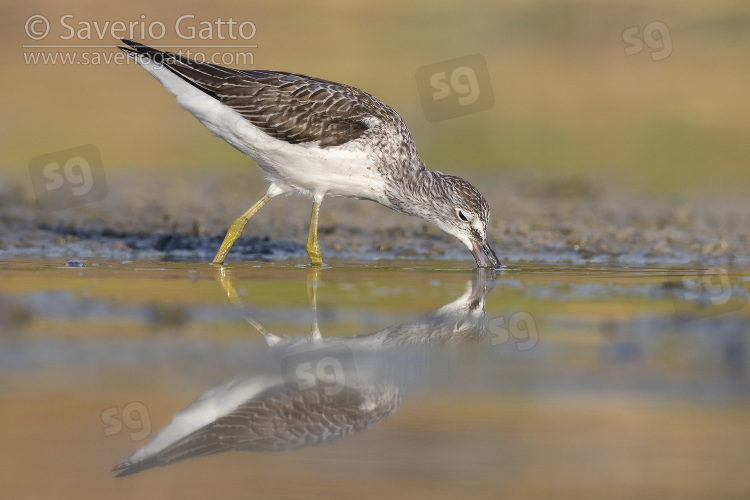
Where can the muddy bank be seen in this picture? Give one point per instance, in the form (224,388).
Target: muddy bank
(185,218)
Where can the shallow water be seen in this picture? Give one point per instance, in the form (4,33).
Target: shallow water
(433,380)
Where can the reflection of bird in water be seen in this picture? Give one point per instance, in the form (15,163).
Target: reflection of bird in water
(274,417)
(313,390)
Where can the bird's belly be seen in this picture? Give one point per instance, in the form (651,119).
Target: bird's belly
(345,170)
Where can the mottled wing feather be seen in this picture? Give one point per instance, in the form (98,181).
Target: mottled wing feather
(298,108)
(291,107)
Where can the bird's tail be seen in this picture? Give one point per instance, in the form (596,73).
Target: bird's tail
(134,49)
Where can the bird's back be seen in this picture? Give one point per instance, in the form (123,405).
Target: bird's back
(326,132)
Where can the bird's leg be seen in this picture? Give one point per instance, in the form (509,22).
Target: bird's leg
(226,284)
(313,278)
(235,230)
(234,298)
(313,248)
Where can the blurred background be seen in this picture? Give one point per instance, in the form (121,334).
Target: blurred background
(609,132)
(650,95)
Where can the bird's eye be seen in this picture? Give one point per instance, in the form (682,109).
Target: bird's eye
(462,216)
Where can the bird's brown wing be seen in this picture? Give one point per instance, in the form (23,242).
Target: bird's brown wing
(288,106)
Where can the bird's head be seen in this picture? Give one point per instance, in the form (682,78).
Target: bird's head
(462,211)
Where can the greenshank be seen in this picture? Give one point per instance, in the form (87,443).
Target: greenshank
(319,138)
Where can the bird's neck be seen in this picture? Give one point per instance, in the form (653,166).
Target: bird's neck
(415,191)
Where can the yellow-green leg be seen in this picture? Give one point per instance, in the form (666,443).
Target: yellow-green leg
(313,249)
(313,278)
(235,230)
(226,284)
(235,299)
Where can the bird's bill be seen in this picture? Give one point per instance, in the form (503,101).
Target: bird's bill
(484,255)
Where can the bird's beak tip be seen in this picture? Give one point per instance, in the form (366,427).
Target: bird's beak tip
(484,255)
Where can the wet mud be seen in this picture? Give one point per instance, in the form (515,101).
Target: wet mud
(552,221)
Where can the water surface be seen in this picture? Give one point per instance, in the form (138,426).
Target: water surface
(433,380)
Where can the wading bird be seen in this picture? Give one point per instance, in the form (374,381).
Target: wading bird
(319,138)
